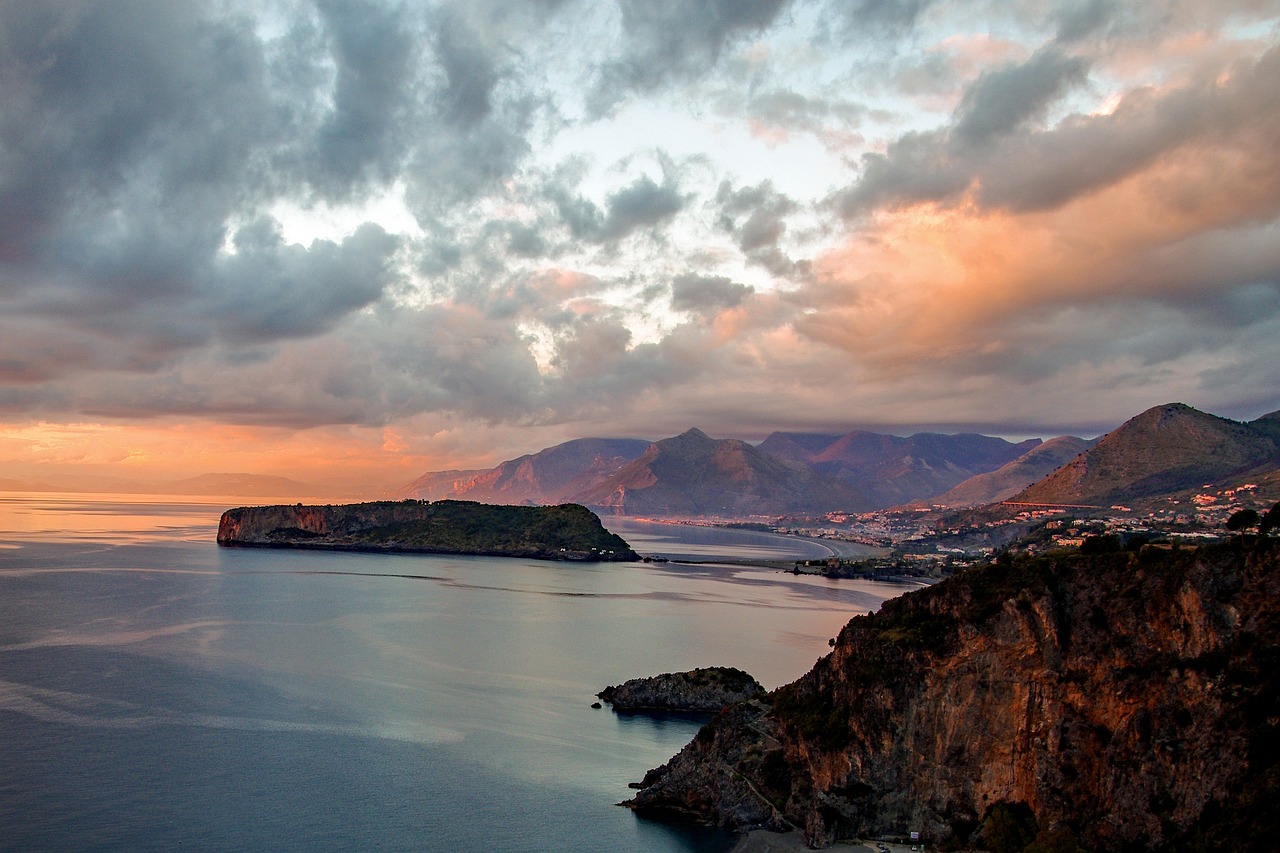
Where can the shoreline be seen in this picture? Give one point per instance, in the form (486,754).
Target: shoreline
(766,841)
(769,842)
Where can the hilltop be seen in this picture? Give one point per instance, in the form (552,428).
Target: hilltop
(1164,450)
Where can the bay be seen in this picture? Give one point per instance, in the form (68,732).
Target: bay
(160,692)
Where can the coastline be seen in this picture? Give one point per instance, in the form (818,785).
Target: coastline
(764,841)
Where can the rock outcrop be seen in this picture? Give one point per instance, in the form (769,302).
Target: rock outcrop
(706,690)
(1132,701)
(565,532)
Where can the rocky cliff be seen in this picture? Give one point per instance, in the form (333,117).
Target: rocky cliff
(1129,700)
(565,532)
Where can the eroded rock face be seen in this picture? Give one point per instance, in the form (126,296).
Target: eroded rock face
(1131,699)
(704,690)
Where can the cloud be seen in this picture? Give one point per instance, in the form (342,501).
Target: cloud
(469,220)
(666,41)
(1030,168)
(643,203)
(363,136)
(707,294)
(1004,100)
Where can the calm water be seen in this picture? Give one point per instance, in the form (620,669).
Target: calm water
(158,692)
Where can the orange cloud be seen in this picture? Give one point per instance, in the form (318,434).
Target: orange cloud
(931,282)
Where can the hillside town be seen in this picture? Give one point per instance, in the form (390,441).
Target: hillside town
(936,541)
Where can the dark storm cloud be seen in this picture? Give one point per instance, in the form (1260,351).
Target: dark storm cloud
(666,41)
(707,295)
(104,100)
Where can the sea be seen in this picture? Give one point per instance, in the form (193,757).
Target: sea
(159,692)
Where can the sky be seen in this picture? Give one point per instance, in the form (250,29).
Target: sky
(351,242)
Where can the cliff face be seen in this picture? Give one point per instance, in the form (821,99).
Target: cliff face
(1131,700)
(565,532)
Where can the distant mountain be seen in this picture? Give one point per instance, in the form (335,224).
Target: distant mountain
(892,470)
(7,485)
(694,474)
(438,485)
(238,485)
(1165,449)
(551,476)
(1007,480)
(221,485)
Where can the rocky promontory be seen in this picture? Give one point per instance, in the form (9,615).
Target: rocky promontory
(704,690)
(565,532)
(1114,702)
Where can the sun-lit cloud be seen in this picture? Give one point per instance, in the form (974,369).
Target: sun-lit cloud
(382,237)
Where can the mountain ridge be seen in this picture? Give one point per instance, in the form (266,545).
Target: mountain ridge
(731,477)
(1012,477)
(1164,449)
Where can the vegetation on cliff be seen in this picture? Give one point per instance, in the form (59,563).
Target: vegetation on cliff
(1127,700)
(565,532)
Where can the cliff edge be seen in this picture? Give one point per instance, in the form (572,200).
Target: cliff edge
(1129,700)
(565,532)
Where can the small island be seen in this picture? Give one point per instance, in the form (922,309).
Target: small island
(564,532)
(704,690)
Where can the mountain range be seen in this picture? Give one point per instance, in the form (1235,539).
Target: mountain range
(892,470)
(202,485)
(1164,450)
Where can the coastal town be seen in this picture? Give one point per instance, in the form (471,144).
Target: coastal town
(933,542)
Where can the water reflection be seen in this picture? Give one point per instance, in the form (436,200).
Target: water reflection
(388,701)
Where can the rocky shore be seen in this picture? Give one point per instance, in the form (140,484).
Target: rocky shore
(705,690)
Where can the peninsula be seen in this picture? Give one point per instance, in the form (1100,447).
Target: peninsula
(564,532)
